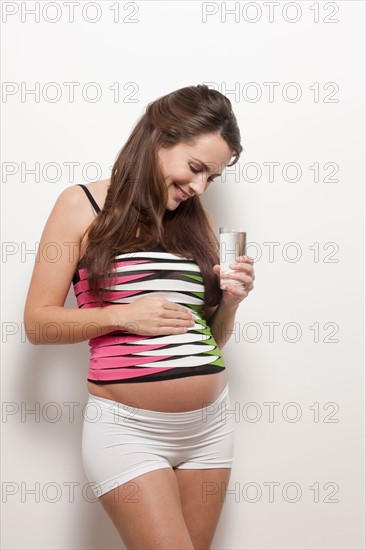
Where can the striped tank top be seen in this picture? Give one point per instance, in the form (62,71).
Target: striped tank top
(125,357)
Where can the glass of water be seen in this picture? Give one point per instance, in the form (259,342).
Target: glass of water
(233,241)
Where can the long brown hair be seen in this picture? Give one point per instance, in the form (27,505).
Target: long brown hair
(137,194)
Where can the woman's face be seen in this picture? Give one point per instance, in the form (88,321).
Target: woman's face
(183,166)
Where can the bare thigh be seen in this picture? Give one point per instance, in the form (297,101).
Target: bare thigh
(147,512)
(202,494)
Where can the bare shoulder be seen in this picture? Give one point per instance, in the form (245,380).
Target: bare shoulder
(73,205)
(99,190)
(86,212)
(73,212)
(76,198)
(71,215)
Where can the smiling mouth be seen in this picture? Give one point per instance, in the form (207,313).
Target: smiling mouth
(183,196)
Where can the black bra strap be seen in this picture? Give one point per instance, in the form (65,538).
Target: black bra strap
(90,197)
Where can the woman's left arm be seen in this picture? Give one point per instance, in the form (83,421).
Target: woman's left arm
(222,317)
(222,321)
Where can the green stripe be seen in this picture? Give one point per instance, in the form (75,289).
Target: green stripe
(219,362)
(195,277)
(198,294)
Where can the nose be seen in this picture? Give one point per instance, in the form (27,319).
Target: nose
(198,185)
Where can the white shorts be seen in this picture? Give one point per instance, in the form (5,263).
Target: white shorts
(120,442)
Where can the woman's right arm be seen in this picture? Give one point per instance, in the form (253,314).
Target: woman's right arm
(46,319)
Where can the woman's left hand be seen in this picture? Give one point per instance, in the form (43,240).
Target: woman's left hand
(242,272)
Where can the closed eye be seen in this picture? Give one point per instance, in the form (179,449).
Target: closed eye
(195,171)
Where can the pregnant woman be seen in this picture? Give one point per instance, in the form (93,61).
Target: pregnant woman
(142,255)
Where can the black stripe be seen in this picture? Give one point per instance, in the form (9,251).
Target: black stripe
(177,372)
(90,197)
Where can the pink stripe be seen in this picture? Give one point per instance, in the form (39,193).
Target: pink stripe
(113,362)
(122,263)
(115,351)
(86,298)
(83,272)
(83,286)
(114,338)
(122,374)
(128,278)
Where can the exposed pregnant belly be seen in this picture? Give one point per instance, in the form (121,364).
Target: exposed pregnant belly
(175,395)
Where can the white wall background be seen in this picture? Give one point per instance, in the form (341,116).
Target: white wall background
(310,371)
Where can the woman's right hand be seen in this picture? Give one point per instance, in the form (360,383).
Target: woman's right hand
(151,316)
